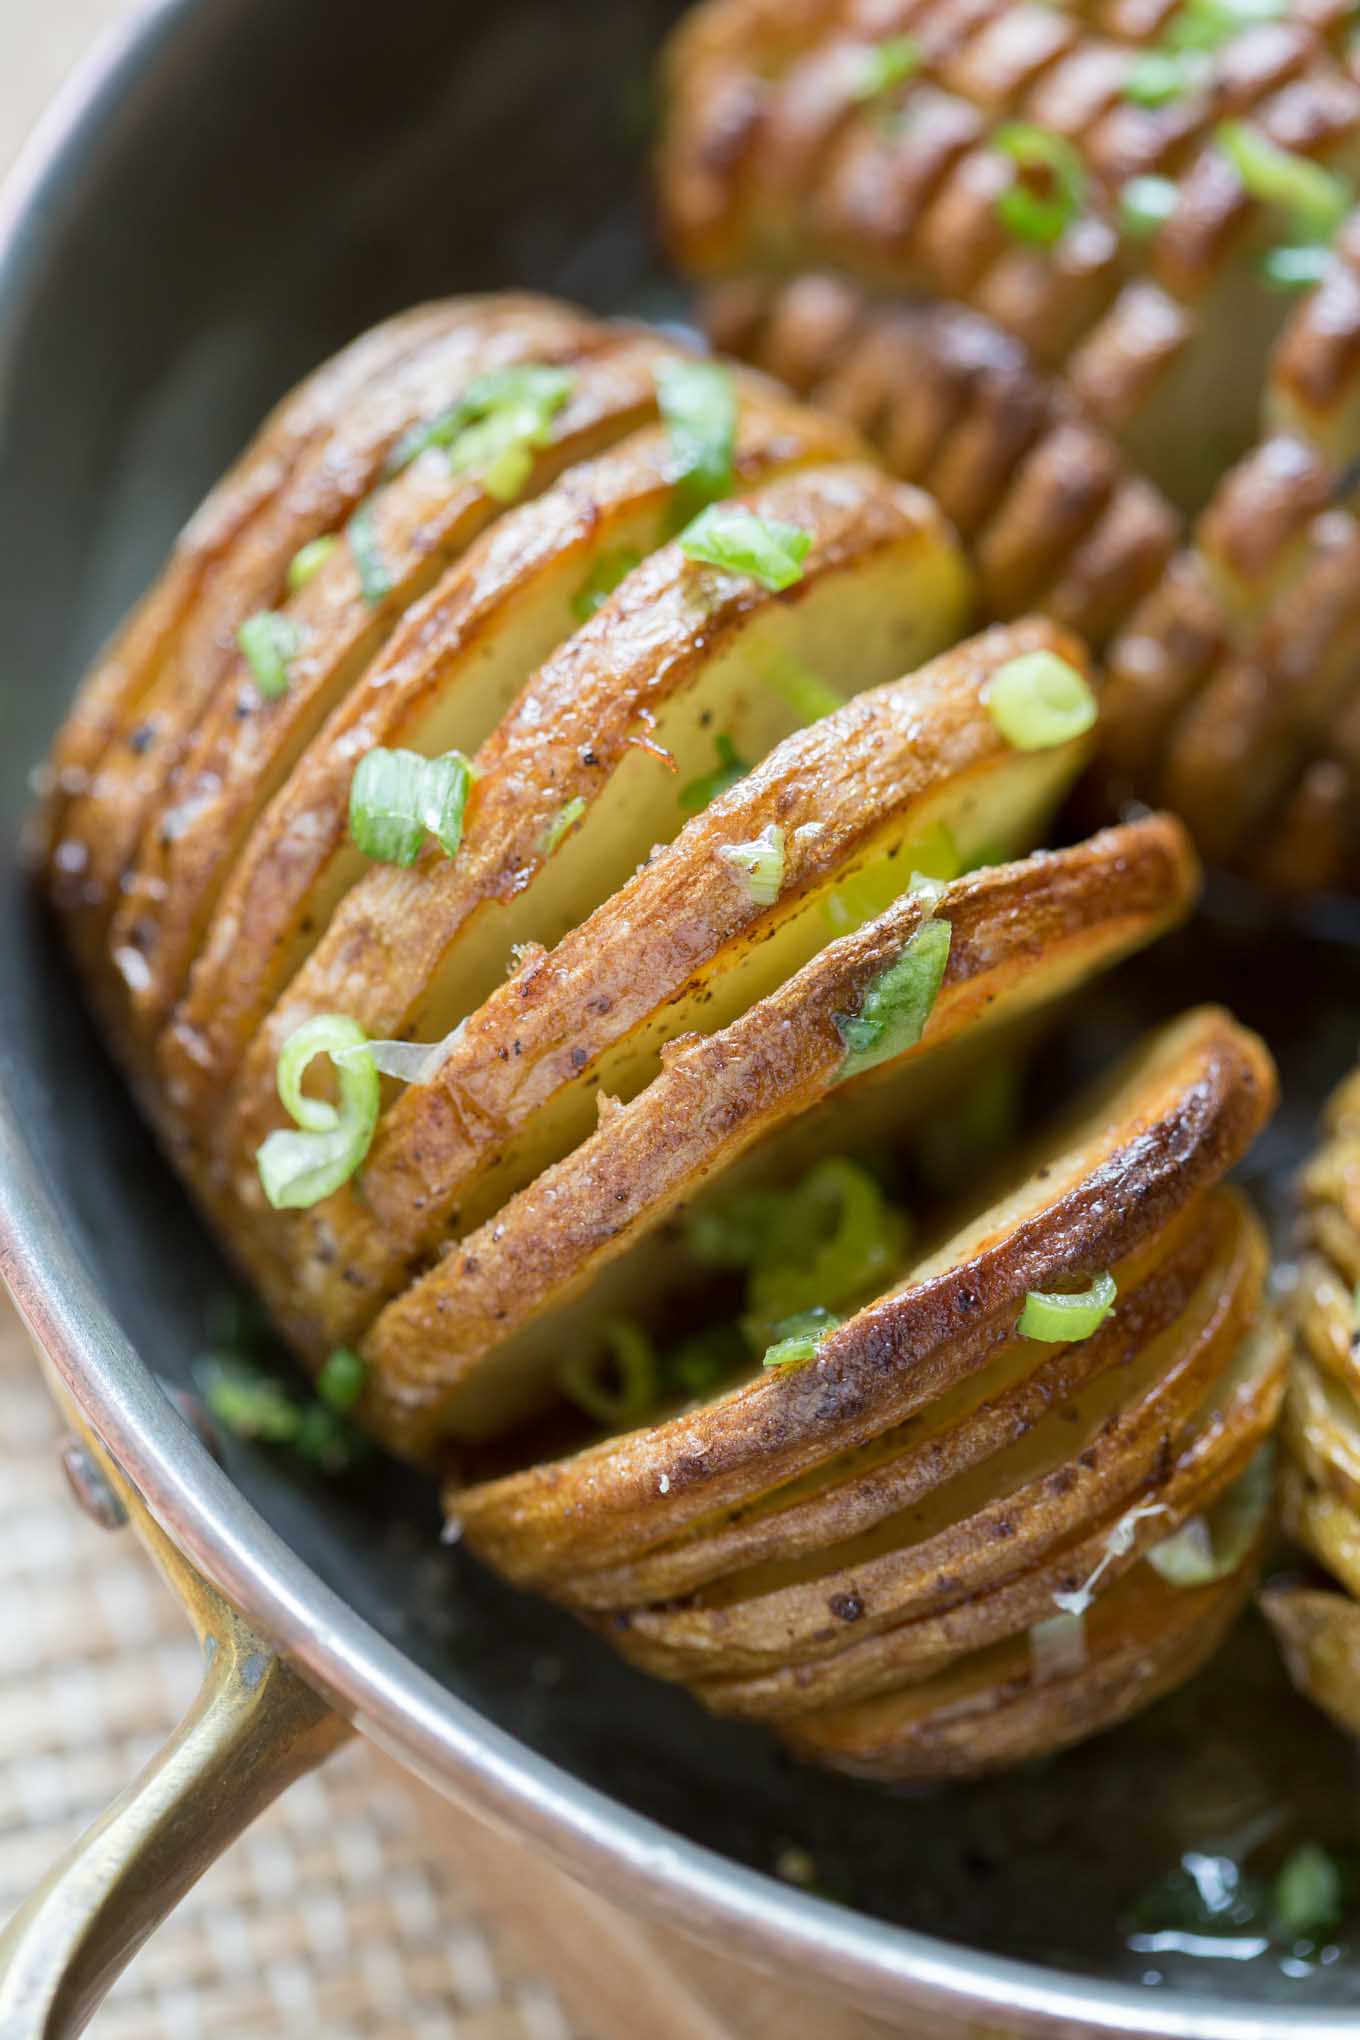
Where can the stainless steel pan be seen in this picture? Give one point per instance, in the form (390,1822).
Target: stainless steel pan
(227,193)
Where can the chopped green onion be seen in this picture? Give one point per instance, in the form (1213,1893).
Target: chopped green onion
(299,1168)
(1040,216)
(1207,1549)
(703,1362)
(698,401)
(517,405)
(269,641)
(837,1240)
(619,1386)
(396,798)
(1038,701)
(734,1233)
(1315,200)
(898,1003)
(341,1381)
(1145,204)
(327,1440)
(375,579)
(562,823)
(604,579)
(1156,77)
(695,797)
(760,862)
(737,540)
(1060,1316)
(1309,1897)
(798,1338)
(1300,267)
(887,65)
(246,1401)
(806,693)
(307,563)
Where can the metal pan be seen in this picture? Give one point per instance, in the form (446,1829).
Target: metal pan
(228,192)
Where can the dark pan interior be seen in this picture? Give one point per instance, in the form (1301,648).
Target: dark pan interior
(297,173)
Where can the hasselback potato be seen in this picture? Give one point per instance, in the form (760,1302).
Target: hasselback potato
(568,755)
(1050,260)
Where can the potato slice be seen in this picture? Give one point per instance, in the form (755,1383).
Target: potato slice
(106,708)
(1142,1639)
(1217,1456)
(453,667)
(245,745)
(957,1430)
(476,1342)
(1170,1121)
(577,784)
(1085,1459)
(684,947)
(133,775)
(1319,1633)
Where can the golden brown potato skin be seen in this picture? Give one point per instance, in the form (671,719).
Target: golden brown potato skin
(1086,409)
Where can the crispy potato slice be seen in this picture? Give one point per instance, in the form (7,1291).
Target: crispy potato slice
(1170,1121)
(245,745)
(1142,1639)
(1086,1459)
(453,667)
(1216,1457)
(133,775)
(573,789)
(1319,1634)
(110,697)
(955,1431)
(684,947)
(1324,1522)
(475,1343)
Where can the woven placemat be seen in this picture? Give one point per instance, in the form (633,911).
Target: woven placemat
(339,1914)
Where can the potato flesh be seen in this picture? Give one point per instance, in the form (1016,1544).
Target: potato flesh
(455,666)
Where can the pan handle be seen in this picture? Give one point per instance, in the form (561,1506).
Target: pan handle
(254,1727)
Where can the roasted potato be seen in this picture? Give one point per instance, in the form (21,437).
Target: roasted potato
(1024,253)
(624,855)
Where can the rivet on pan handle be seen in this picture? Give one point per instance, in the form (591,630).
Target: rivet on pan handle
(254,1727)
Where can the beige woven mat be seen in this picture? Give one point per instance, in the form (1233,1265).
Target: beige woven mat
(337,1915)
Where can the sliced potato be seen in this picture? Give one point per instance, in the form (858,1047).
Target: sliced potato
(245,744)
(476,1343)
(577,784)
(454,665)
(1141,1639)
(684,947)
(1171,1121)
(1319,1633)
(132,776)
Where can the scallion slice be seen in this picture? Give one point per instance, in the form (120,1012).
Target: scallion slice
(340,1383)
(836,1240)
(893,1014)
(698,401)
(246,1401)
(888,65)
(397,798)
(300,1167)
(1157,77)
(619,1386)
(269,642)
(1049,189)
(725,535)
(759,862)
(308,561)
(375,579)
(1296,266)
(798,1338)
(698,794)
(516,404)
(806,693)
(1060,1316)
(1038,701)
(1207,24)
(1145,204)
(604,579)
(1208,1548)
(1309,1895)
(561,823)
(1314,200)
